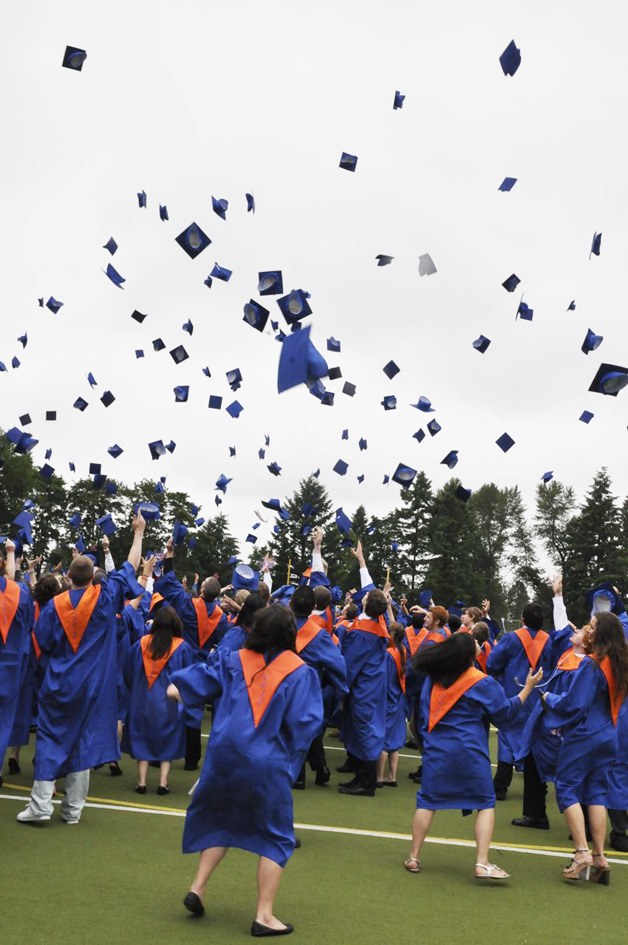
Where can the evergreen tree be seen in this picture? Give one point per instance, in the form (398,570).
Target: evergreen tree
(526,582)
(451,573)
(381,558)
(555,506)
(310,505)
(413,520)
(490,512)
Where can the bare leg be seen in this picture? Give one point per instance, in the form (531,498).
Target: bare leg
(597,823)
(393,760)
(207,863)
(381,764)
(142,771)
(575,823)
(484,824)
(269,876)
(420,829)
(164,771)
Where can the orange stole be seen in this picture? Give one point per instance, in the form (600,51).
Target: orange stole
(483,655)
(569,660)
(262,681)
(415,639)
(324,620)
(9,603)
(306,634)
(615,699)
(36,646)
(532,646)
(74,620)
(435,636)
(377,627)
(443,700)
(153,667)
(396,655)
(206,624)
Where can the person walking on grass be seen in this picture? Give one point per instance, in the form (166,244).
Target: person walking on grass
(395,737)
(457,704)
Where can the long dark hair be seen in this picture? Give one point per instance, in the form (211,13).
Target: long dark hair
(166,625)
(609,640)
(445,662)
(273,628)
(398,635)
(251,605)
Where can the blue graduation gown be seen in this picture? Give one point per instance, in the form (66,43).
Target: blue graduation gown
(456,761)
(234,639)
(170,587)
(155,728)
(507,662)
(589,745)
(243,798)
(364,714)
(77,720)
(618,774)
(326,658)
(14,662)
(395,737)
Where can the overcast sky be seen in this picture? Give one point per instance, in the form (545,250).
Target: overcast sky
(190,99)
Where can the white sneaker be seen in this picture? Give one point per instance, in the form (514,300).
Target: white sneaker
(28,817)
(70,820)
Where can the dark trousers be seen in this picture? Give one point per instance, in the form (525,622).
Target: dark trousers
(316,754)
(619,823)
(367,775)
(534,790)
(192,746)
(503,777)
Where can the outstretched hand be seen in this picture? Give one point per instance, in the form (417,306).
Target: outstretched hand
(557,585)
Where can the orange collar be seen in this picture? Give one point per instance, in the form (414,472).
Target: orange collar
(306,634)
(74,620)
(206,623)
(443,700)
(153,667)
(532,645)
(9,603)
(262,680)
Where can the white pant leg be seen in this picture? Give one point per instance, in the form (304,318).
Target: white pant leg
(76,788)
(41,798)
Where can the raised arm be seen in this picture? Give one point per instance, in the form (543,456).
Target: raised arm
(365,577)
(9,566)
(135,554)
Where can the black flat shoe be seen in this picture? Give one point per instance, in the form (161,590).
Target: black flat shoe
(115,770)
(388,784)
(298,786)
(322,776)
(193,904)
(140,789)
(14,767)
(348,784)
(263,931)
(537,823)
(163,790)
(357,790)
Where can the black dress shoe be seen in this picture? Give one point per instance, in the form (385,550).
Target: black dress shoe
(348,784)
(14,766)
(346,768)
(297,843)
(357,790)
(161,790)
(322,776)
(263,931)
(538,823)
(193,904)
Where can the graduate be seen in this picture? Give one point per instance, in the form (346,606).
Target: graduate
(76,723)
(236,636)
(457,704)
(480,633)
(395,736)
(267,710)
(588,712)
(155,725)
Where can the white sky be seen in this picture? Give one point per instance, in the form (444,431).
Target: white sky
(187,99)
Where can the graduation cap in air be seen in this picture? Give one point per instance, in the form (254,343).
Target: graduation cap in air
(163,212)
(341,467)
(220,207)
(139,353)
(419,436)
(572,306)
(179,531)
(547,476)
(222,482)
(73,58)
(299,362)
(54,305)
(75,521)
(343,522)
(46,471)
(510,59)
(404,475)
(511,283)
(261,453)
(591,342)
(250,203)
(114,276)
(425,597)
(391,370)
(106,525)
(505,442)
(219,272)
(596,245)
(95,469)
(25,419)
(348,161)
(384,260)
(142,199)
(232,451)
(333,345)
(398,101)
(255,315)
(150,511)
(507,184)
(345,435)
(424,404)
(92,380)
(111,245)
(234,409)
(107,398)
(270,282)
(389,402)
(294,306)
(274,468)
(80,404)
(157,449)
(609,379)
(586,416)
(234,379)
(207,372)
(362,444)
(193,240)
(188,327)
(138,316)
(481,344)
(273,504)
(334,373)
(115,451)
(179,354)
(181,394)
(244,578)
(461,493)
(215,402)
(524,312)
(433,427)
(426,265)
(15,362)
(602,599)
(110,488)
(360,478)
(450,460)
(348,389)
(171,446)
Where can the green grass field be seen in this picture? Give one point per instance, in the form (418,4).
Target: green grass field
(119,876)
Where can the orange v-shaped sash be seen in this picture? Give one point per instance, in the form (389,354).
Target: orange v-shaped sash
(153,667)
(207,623)
(569,660)
(396,655)
(306,634)
(377,627)
(324,620)
(614,697)
(483,655)
(9,603)
(36,646)
(443,700)
(415,639)
(262,681)
(532,645)
(74,620)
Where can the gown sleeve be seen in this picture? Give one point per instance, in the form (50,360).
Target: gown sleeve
(572,705)
(200,683)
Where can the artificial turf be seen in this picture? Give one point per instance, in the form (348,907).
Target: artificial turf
(119,876)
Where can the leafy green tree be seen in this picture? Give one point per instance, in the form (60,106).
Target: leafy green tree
(555,507)
(490,512)
(413,519)
(451,573)
(526,582)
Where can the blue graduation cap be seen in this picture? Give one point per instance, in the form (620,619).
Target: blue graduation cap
(450,460)
(419,436)
(603,598)
(114,275)
(572,306)
(107,398)
(46,471)
(181,394)
(80,404)
(106,525)
(511,283)
(25,419)
(150,511)
(157,449)
(507,184)
(362,444)
(251,538)
(219,272)
(461,493)
(505,442)
(193,240)
(255,315)
(15,362)
(208,282)
(591,342)
(138,316)
(215,402)
(111,245)
(333,345)
(250,203)
(426,265)
(586,416)
(294,306)
(222,482)
(115,451)
(424,404)
(383,260)
(270,282)
(299,362)
(179,531)
(385,480)
(274,468)
(398,101)
(481,344)
(524,312)
(345,435)
(547,476)
(139,353)
(510,59)
(207,372)
(73,58)
(596,245)
(23,339)
(244,578)
(95,469)
(360,478)
(171,446)
(234,379)
(80,545)
(99,481)
(179,354)
(92,380)
(343,522)
(348,161)
(404,475)
(72,467)
(273,504)
(54,305)
(390,370)
(220,207)
(188,326)
(142,199)
(334,374)
(609,379)
(261,453)
(75,520)
(235,409)
(163,212)
(232,451)
(433,427)
(389,402)
(341,467)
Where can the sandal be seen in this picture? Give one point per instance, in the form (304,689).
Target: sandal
(579,869)
(490,872)
(412,865)
(600,874)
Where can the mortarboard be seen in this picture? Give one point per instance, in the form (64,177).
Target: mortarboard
(220,207)
(48,454)
(157,449)
(433,427)
(111,488)
(92,380)
(115,451)
(72,467)
(385,480)
(424,404)
(266,439)
(99,481)
(270,282)
(25,419)
(250,203)
(255,315)
(53,305)
(179,531)
(426,265)
(586,416)
(333,345)
(138,316)
(158,345)
(294,306)
(15,362)
(398,100)
(23,339)
(114,275)
(234,379)
(507,184)
(450,460)
(345,435)
(193,240)
(51,415)
(419,436)
(111,245)
(481,344)
(261,452)
(215,402)
(232,451)
(181,394)
(235,409)
(244,578)
(389,402)
(107,398)
(334,373)
(362,444)
(596,245)
(179,354)
(505,442)
(80,545)
(219,272)
(609,379)
(46,471)
(3,366)
(75,521)
(251,538)
(80,404)
(547,476)
(511,283)
(188,326)
(141,199)
(341,467)
(150,511)
(572,306)
(23,442)
(299,362)
(510,59)
(461,493)
(348,161)
(525,312)
(360,478)
(139,353)
(591,342)
(95,469)
(384,260)
(208,282)
(390,370)
(404,475)
(106,525)
(73,58)
(207,372)
(163,212)
(316,474)
(274,468)
(171,446)
(343,522)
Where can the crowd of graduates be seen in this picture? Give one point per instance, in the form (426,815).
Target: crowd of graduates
(107,659)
